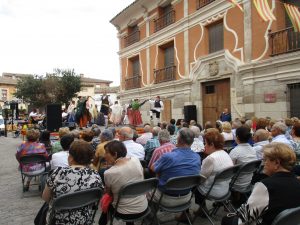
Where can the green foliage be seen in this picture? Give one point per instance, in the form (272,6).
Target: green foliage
(58,87)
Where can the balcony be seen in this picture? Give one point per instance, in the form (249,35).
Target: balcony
(165,74)
(165,20)
(284,41)
(133,82)
(202,3)
(132,38)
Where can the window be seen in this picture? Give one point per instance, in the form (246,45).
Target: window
(166,17)
(84,89)
(210,89)
(135,66)
(133,35)
(4,94)
(216,37)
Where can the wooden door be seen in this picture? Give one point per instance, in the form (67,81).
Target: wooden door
(167,112)
(216,97)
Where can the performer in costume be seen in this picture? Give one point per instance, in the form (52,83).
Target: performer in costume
(105,104)
(156,107)
(116,114)
(82,115)
(134,114)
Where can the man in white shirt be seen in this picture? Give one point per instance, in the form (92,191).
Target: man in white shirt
(60,159)
(278,133)
(261,138)
(145,136)
(133,149)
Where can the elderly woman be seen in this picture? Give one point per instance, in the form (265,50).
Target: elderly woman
(197,145)
(216,161)
(78,176)
(99,161)
(56,147)
(280,191)
(227,131)
(295,133)
(31,146)
(123,171)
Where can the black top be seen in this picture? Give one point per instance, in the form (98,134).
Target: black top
(284,193)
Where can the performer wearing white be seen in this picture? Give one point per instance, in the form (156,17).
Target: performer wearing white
(116,113)
(156,107)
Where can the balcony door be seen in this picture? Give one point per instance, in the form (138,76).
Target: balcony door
(293,37)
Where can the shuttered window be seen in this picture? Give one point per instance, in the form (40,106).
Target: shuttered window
(216,37)
(169,56)
(135,67)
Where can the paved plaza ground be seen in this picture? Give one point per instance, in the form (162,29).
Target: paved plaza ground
(19,209)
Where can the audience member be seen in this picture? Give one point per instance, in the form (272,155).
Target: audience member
(29,147)
(152,144)
(272,195)
(78,176)
(295,133)
(56,147)
(99,161)
(197,145)
(217,160)
(261,123)
(45,139)
(133,149)
(173,137)
(241,154)
(165,146)
(123,171)
(96,139)
(147,135)
(278,133)
(60,159)
(227,131)
(182,161)
(260,138)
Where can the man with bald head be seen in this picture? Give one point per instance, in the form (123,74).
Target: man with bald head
(261,138)
(147,135)
(133,149)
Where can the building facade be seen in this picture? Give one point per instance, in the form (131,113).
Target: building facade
(210,54)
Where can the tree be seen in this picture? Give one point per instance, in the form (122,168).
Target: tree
(58,87)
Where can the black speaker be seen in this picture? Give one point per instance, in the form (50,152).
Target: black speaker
(190,113)
(53,114)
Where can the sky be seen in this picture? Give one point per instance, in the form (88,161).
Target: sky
(37,36)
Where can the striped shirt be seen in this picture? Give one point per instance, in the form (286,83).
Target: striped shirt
(158,152)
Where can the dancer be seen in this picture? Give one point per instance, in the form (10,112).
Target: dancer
(134,114)
(83,116)
(106,102)
(116,114)
(71,112)
(156,107)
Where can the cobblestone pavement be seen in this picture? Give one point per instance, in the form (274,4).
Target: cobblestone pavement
(19,209)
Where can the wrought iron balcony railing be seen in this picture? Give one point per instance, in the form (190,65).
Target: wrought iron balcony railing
(132,38)
(202,3)
(165,74)
(133,82)
(165,20)
(284,41)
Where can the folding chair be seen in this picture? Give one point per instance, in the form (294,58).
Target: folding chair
(32,159)
(288,217)
(245,169)
(222,176)
(77,200)
(180,184)
(132,190)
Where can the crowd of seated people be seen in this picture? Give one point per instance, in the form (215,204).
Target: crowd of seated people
(181,149)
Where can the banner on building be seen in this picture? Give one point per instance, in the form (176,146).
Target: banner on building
(235,3)
(294,15)
(264,10)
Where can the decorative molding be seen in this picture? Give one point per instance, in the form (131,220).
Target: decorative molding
(235,36)
(178,61)
(266,36)
(198,43)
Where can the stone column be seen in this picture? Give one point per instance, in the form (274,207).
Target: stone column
(247,31)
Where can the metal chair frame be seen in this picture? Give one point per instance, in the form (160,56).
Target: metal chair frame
(76,200)
(28,159)
(135,189)
(288,217)
(223,175)
(179,184)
